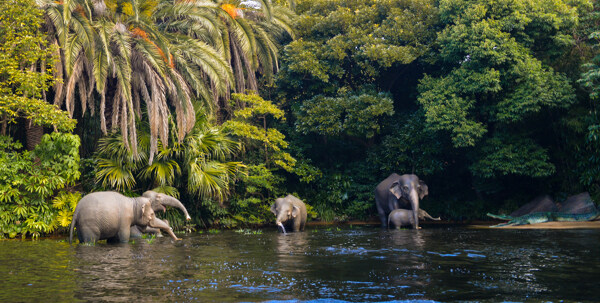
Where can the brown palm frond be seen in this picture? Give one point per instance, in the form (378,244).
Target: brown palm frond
(74,78)
(102,108)
(157,108)
(237,66)
(116,109)
(83,95)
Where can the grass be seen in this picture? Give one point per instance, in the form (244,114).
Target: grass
(249,231)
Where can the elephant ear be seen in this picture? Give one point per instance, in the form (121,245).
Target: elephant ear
(423,189)
(147,212)
(395,190)
(274,209)
(295,211)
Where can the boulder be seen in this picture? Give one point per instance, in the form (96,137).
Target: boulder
(578,204)
(542,203)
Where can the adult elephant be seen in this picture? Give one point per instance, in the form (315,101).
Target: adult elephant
(289,212)
(110,215)
(158,201)
(399,191)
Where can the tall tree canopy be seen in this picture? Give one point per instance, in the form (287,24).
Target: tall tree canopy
(491,84)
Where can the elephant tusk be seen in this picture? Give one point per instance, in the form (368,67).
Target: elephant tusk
(282,227)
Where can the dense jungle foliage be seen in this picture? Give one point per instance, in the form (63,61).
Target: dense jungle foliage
(227,105)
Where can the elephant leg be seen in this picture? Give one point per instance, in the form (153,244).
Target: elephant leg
(135,232)
(123,235)
(382,216)
(88,234)
(296,227)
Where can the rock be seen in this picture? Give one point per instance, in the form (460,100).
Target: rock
(539,204)
(578,204)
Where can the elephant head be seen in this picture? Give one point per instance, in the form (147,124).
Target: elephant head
(411,189)
(284,211)
(159,201)
(147,214)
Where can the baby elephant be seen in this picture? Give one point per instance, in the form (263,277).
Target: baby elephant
(404,217)
(289,211)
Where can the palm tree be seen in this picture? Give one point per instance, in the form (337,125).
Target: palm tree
(251,44)
(124,51)
(159,56)
(199,163)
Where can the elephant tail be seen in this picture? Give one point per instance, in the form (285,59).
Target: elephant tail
(72,226)
(388,225)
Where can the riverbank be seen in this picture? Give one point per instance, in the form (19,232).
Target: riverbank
(545,225)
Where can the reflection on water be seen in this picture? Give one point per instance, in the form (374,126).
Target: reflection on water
(347,264)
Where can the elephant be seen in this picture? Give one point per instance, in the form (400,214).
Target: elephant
(404,217)
(289,211)
(159,201)
(396,192)
(110,215)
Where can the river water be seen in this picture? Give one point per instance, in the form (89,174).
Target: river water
(322,264)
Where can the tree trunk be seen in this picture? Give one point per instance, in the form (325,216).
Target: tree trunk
(34,134)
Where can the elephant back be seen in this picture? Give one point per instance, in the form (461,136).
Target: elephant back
(105,206)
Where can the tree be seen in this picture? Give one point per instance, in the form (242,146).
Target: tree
(264,153)
(350,44)
(34,197)
(355,115)
(127,52)
(25,72)
(198,166)
(589,163)
(490,84)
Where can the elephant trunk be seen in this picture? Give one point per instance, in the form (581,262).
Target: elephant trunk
(160,224)
(282,227)
(414,202)
(170,201)
(280,219)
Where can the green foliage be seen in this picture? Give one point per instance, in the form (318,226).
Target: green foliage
(158,56)
(249,231)
(38,111)
(355,115)
(22,46)
(410,147)
(350,43)
(590,79)
(266,159)
(495,83)
(482,93)
(31,179)
(25,72)
(589,162)
(503,156)
(198,167)
(65,203)
(250,125)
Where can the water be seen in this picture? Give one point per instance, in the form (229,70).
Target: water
(364,264)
